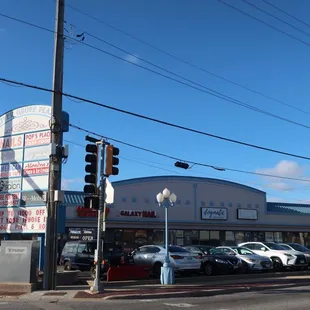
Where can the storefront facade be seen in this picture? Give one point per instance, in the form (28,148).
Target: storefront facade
(207,211)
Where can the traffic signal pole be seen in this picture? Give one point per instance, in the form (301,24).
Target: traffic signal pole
(98,285)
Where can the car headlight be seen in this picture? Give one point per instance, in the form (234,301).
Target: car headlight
(251,260)
(289,255)
(220,261)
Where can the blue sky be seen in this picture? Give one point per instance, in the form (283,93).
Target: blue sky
(205,33)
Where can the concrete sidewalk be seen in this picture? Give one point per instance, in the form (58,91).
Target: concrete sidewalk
(211,287)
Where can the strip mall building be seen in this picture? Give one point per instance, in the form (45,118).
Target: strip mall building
(208,211)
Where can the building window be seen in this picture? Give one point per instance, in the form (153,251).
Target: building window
(203,203)
(222,204)
(187,202)
(211,203)
(238,205)
(134,199)
(257,206)
(146,200)
(230,204)
(178,202)
(124,199)
(249,205)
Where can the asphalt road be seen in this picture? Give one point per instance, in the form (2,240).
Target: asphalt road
(282,299)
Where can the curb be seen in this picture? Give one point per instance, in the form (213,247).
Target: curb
(187,292)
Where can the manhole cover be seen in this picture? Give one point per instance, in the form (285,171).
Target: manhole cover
(55,294)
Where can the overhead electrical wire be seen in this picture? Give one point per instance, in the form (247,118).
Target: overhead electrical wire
(209,91)
(187,62)
(155,120)
(265,23)
(277,18)
(193,163)
(286,13)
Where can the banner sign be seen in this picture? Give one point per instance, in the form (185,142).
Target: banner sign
(213,213)
(10,170)
(33,198)
(36,168)
(10,156)
(10,185)
(37,153)
(9,143)
(25,147)
(27,220)
(38,138)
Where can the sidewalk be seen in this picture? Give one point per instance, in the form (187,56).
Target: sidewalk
(208,286)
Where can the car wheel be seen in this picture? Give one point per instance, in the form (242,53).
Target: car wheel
(67,266)
(157,269)
(208,269)
(277,264)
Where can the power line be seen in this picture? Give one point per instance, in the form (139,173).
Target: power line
(188,161)
(275,17)
(142,162)
(187,62)
(288,14)
(265,23)
(214,93)
(158,121)
(209,91)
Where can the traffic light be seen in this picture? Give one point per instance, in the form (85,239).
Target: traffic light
(181,165)
(91,202)
(91,168)
(111,161)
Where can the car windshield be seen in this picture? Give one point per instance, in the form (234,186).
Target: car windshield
(286,247)
(175,249)
(274,246)
(243,251)
(204,248)
(217,251)
(299,247)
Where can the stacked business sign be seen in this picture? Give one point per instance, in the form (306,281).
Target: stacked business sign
(25,138)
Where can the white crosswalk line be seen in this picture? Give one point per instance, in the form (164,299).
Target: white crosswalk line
(179,305)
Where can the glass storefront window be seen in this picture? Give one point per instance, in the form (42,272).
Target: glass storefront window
(214,235)
(204,235)
(128,236)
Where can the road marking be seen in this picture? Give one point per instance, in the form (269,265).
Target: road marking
(180,305)
(3,303)
(147,300)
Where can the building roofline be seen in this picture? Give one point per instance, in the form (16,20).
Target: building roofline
(185,178)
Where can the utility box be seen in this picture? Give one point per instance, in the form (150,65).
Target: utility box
(19,261)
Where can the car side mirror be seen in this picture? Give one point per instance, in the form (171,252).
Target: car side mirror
(263,249)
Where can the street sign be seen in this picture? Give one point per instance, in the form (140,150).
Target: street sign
(109,192)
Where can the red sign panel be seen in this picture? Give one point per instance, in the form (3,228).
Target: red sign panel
(36,168)
(86,212)
(37,138)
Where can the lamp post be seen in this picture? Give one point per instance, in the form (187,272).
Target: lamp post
(166,200)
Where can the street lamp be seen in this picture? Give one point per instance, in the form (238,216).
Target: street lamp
(166,200)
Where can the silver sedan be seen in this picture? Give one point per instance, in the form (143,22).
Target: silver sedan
(251,260)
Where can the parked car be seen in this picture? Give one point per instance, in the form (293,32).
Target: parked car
(154,256)
(251,261)
(80,255)
(298,247)
(214,261)
(281,258)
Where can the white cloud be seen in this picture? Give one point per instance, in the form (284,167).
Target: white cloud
(72,184)
(131,58)
(284,168)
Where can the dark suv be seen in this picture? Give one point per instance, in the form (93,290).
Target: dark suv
(81,255)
